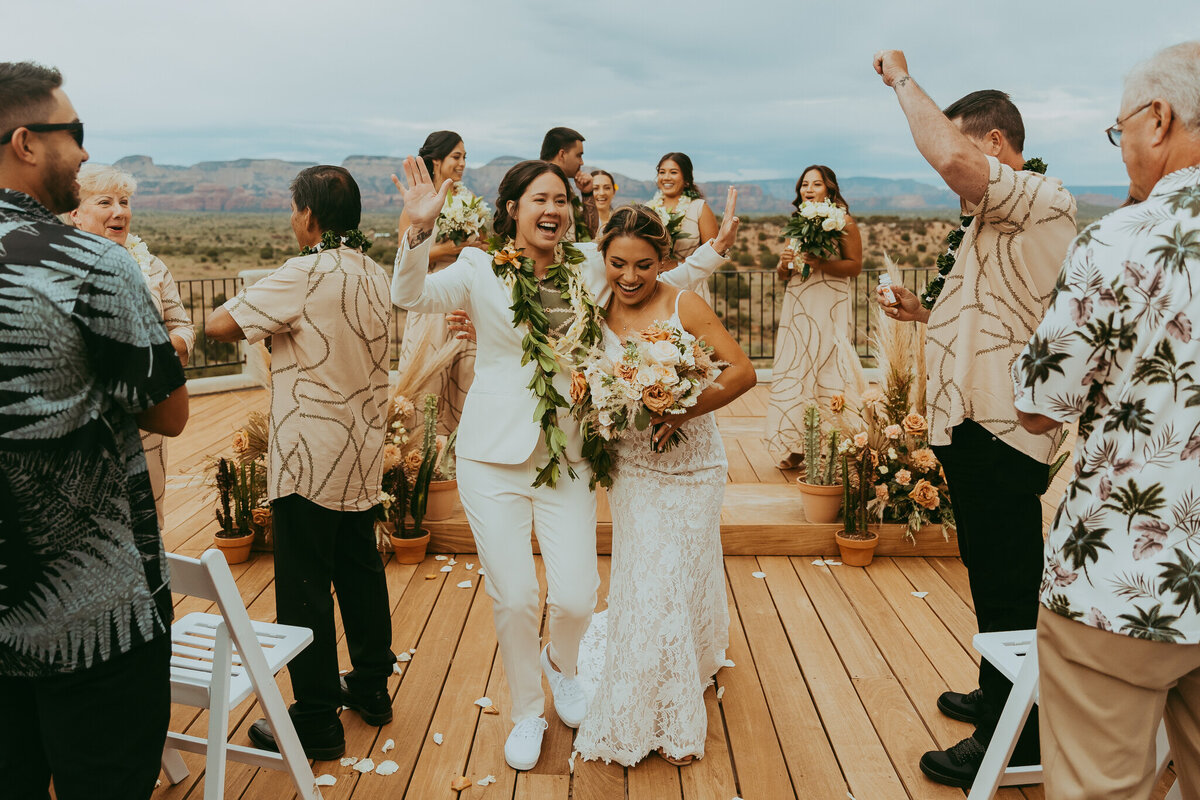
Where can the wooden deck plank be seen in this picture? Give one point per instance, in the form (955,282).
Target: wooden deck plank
(740,470)
(764,466)
(654,779)
(711,777)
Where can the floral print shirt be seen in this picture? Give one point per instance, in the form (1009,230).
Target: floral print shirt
(1117,352)
(83,574)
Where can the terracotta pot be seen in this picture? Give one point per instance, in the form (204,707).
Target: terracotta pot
(442,501)
(821,503)
(409,551)
(856,552)
(236,549)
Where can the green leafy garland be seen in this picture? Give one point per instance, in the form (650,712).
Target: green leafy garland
(581,228)
(353,238)
(945,262)
(547,352)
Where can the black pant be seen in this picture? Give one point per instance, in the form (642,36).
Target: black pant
(98,732)
(316,546)
(996,493)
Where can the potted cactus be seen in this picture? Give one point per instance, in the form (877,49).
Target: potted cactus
(820,487)
(856,541)
(241,512)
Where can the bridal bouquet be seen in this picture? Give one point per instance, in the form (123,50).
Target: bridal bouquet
(661,370)
(465,217)
(816,229)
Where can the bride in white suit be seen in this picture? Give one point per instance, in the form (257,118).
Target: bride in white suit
(523,463)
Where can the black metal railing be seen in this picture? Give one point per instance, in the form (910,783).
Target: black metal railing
(747,301)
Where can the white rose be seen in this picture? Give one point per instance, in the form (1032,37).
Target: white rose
(808,210)
(664,353)
(829,224)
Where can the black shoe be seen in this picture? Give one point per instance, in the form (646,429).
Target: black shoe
(959,706)
(375,708)
(324,745)
(956,766)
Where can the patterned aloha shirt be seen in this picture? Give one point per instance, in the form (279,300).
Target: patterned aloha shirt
(83,575)
(1118,352)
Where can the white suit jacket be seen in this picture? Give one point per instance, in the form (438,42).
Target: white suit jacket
(497,424)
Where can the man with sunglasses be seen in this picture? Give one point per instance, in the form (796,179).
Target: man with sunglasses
(85,360)
(1119,629)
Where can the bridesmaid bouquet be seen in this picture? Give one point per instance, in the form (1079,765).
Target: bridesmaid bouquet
(816,229)
(661,370)
(464,217)
(673,222)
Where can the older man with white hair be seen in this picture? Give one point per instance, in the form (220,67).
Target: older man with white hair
(1119,627)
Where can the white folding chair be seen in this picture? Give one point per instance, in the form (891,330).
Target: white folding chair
(1014,654)
(217,660)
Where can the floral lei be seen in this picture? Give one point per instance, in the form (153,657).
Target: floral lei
(548,352)
(140,252)
(673,220)
(353,238)
(945,262)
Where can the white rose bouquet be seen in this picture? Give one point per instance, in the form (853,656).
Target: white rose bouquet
(816,227)
(662,370)
(464,217)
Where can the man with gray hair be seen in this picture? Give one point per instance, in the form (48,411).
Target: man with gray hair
(1118,351)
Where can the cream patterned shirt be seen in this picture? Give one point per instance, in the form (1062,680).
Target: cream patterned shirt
(1118,351)
(993,299)
(327,315)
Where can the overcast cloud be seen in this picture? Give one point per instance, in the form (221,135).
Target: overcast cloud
(750,89)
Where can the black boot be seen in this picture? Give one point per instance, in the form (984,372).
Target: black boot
(320,744)
(375,707)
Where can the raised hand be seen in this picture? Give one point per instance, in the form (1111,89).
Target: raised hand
(891,65)
(727,234)
(422,200)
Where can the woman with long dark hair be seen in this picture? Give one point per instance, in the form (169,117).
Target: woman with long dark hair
(524,463)
(604,189)
(678,195)
(427,343)
(814,352)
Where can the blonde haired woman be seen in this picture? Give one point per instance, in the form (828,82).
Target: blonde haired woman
(105,209)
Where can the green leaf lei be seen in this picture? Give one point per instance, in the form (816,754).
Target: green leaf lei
(581,228)
(353,238)
(546,353)
(945,262)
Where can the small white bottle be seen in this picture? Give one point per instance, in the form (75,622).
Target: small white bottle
(885,288)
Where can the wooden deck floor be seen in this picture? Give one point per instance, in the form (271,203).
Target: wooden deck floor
(837,670)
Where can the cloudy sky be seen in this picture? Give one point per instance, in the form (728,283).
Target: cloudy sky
(749,88)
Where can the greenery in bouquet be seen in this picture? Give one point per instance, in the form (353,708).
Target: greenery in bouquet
(661,370)
(242,507)
(816,229)
(465,217)
(671,220)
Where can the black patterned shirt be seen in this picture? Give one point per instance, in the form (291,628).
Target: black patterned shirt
(1119,352)
(83,575)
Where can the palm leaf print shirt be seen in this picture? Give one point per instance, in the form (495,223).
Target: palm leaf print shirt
(83,575)
(1118,352)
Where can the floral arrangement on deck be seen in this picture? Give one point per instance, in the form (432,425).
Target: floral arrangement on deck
(661,370)
(411,461)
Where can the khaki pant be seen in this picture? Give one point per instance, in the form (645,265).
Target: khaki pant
(1103,696)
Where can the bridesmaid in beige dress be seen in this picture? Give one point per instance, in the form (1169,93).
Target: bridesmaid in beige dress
(604,189)
(678,193)
(427,337)
(814,352)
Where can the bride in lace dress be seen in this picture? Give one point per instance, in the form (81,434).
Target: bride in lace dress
(651,655)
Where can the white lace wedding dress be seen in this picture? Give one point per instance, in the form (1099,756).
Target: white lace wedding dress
(648,658)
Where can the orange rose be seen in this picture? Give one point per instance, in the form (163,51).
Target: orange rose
(261,516)
(656,334)
(509,255)
(923,459)
(625,371)
(837,403)
(391,457)
(860,439)
(925,494)
(914,424)
(241,441)
(657,399)
(903,477)
(579,387)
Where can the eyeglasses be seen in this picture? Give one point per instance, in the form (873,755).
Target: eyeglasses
(1114,130)
(73,128)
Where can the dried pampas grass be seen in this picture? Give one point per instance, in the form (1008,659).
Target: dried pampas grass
(900,352)
(426,362)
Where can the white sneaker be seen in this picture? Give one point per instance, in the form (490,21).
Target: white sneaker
(524,744)
(569,700)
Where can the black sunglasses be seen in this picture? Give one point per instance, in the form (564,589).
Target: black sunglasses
(73,128)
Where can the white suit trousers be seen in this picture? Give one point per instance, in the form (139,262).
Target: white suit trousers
(503,509)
